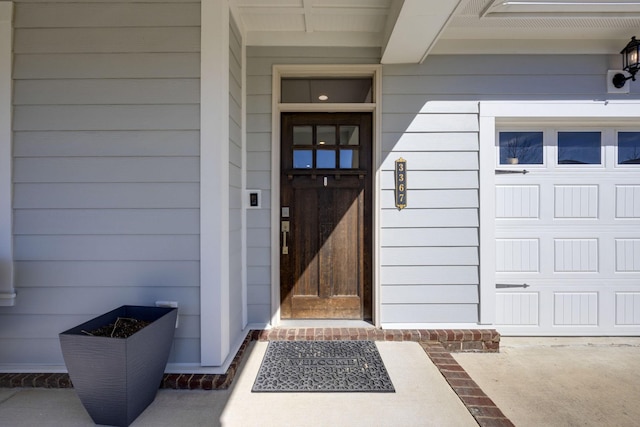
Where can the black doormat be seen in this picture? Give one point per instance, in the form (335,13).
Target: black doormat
(322,366)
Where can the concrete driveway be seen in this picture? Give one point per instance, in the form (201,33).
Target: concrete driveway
(561,381)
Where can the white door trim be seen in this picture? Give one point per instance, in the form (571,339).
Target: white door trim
(7,292)
(280,71)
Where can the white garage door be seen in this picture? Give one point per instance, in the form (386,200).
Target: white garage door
(568,230)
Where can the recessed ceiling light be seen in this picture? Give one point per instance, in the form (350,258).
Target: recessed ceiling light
(323,97)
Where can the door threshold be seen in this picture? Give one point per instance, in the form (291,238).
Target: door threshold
(324,323)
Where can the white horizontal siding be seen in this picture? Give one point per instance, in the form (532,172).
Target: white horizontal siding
(464,161)
(422,256)
(106,169)
(429,275)
(436,237)
(107,40)
(445,180)
(106,183)
(429,313)
(135,143)
(53,301)
(129,273)
(433,141)
(106,195)
(103,91)
(455,85)
(107,65)
(429,199)
(106,14)
(418,218)
(430,294)
(106,117)
(429,251)
(106,221)
(430,122)
(106,248)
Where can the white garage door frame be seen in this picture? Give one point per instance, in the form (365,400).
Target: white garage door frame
(495,114)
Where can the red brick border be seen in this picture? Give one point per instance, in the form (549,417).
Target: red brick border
(485,340)
(481,407)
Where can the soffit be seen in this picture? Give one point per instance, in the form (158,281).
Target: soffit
(405,31)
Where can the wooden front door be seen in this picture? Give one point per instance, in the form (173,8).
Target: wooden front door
(325,216)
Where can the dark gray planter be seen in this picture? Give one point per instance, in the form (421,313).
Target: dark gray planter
(117,378)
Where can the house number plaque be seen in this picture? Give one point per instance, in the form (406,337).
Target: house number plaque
(401,183)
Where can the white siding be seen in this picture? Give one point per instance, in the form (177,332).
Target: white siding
(106,168)
(429,250)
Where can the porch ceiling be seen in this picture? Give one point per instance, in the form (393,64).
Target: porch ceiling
(406,31)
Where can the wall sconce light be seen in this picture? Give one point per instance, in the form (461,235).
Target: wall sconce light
(630,63)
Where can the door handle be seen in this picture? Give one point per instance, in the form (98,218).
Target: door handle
(509,285)
(285,231)
(503,171)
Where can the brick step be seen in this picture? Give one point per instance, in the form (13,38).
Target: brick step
(452,340)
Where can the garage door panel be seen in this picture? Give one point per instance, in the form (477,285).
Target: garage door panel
(628,255)
(628,308)
(517,255)
(628,201)
(517,308)
(518,201)
(576,201)
(575,308)
(571,233)
(576,255)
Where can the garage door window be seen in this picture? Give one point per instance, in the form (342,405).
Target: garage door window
(629,148)
(521,148)
(579,148)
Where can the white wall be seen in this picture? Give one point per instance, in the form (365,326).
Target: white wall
(106,169)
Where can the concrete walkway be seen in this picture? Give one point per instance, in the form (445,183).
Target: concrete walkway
(561,381)
(535,382)
(422,398)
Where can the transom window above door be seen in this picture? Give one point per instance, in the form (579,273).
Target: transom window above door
(326,90)
(326,147)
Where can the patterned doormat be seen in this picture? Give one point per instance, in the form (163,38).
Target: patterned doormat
(322,366)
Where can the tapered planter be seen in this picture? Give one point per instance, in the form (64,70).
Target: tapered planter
(117,378)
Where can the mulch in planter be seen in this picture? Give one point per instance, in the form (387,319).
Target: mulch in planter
(123,327)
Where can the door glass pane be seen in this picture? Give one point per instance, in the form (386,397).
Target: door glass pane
(302,135)
(349,159)
(302,159)
(326,135)
(326,159)
(521,147)
(579,148)
(628,148)
(349,135)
